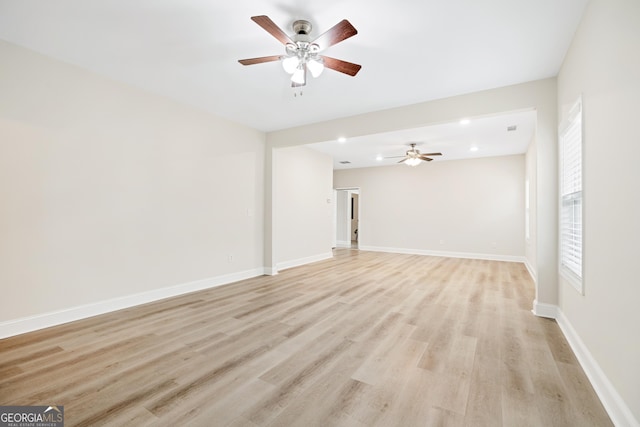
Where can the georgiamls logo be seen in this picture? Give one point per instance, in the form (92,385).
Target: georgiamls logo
(32,416)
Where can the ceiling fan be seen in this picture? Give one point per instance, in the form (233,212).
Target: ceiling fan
(303,53)
(413,157)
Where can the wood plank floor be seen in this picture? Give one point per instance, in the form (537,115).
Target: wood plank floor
(364,339)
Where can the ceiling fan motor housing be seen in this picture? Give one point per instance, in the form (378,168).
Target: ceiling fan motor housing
(302,27)
(301,37)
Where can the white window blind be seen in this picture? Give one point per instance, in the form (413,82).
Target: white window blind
(571,196)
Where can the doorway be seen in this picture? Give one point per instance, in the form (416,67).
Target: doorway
(347,224)
(355,200)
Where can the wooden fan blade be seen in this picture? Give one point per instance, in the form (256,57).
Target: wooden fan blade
(252,61)
(339,32)
(431,154)
(403,160)
(266,23)
(394,157)
(341,66)
(425,158)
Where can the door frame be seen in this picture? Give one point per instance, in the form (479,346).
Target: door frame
(347,217)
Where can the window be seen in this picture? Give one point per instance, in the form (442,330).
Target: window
(570,138)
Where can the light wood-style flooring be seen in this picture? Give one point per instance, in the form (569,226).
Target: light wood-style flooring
(363,339)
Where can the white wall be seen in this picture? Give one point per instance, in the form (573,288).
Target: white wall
(107,191)
(603,64)
(461,207)
(531,174)
(303,206)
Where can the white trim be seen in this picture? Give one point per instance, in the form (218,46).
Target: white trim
(541,309)
(469,255)
(271,271)
(615,406)
(531,270)
(302,261)
(46,320)
(571,278)
(343,244)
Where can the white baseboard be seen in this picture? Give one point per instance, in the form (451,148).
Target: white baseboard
(271,271)
(447,254)
(302,261)
(46,320)
(343,244)
(616,407)
(544,310)
(531,271)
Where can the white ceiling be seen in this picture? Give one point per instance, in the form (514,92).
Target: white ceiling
(410,50)
(488,135)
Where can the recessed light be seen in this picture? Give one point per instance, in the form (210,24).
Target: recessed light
(474,148)
(378,157)
(342,140)
(465,122)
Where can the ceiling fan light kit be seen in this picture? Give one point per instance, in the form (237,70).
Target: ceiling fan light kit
(413,157)
(303,53)
(413,161)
